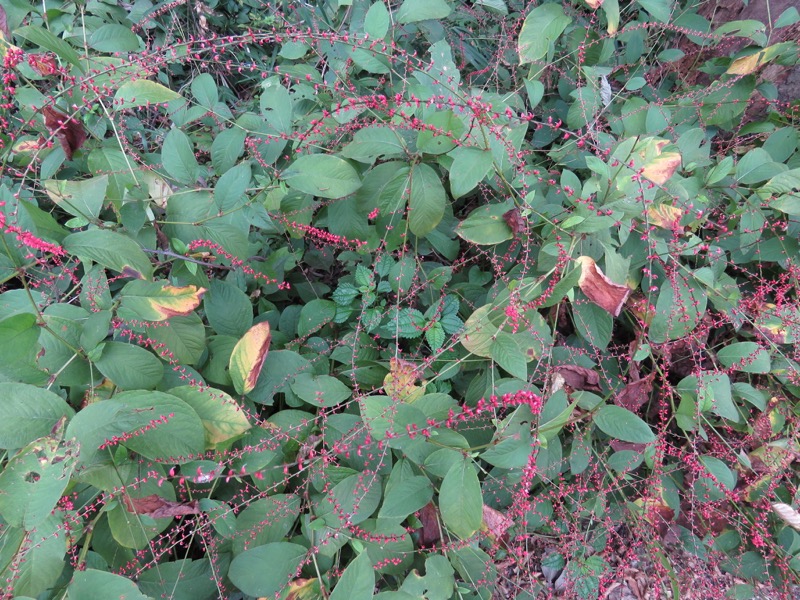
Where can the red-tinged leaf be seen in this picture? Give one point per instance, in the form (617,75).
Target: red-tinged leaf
(619,446)
(495,522)
(160,508)
(44,64)
(514,220)
(636,393)
(430,532)
(4,31)
(69,132)
(600,289)
(248,357)
(579,378)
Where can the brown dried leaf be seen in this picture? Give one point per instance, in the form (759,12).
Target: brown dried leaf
(514,220)
(44,64)
(788,514)
(636,393)
(160,508)
(579,378)
(619,445)
(600,289)
(495,522)
(69,132)
(429,533)
(4,30)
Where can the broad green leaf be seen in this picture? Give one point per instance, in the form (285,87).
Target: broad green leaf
(355,499)
(204,90)
(747,357)
(43,559)
(226,148)
(507,353)
(82,198)
(34,479)
(621,424)
(357,581)
(232,186)
(436,142)
(222,417)
(276,105)
(142,92)
(406,497)
(661,10)
(322,175)
(42,36)
(92,584)
(252,530)
(111,250)
(314,315)
(177,156)
(485,225)
(426,202)
(320,391)
(248,572)
(228,309)
(28,413)
(179,580)
(541,28)
(713,393)
(112,37)
(376,22)
(470,166)
(371,143)
(129,367)
(183,338)
(412,11)
(460,500)
(248,356)
(679,308)
(157,301)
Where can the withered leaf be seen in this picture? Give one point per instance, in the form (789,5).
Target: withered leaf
(160,508)
(69,132)
(44,64)
(619,446)
(496,523)
(514,220)
(636,393)
(600,289)
(660,168)
(429,533)
(579,378)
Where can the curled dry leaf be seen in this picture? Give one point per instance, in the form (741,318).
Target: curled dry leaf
(787,514)
(636,393)
(69,132)
(495,522)
(600,289)
(429,532)
(579,378)
(160,508)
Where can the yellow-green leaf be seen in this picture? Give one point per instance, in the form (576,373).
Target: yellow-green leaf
(156,301)
(248,357)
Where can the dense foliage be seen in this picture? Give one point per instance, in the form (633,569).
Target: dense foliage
(424,298)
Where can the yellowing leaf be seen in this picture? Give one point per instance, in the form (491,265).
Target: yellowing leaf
(663,165)
(594,4)
(664,216)
(399,382)
(248,357)
(745,65)
(155,301)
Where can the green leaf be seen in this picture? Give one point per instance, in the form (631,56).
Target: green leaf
(470,166)
(406,497)
(747,357)
(179,580)
(232,186)
(43,560)
(357,581)
(129,367)
(228,309)
(679,308)
(111,250)
(34,479)
(226,149)
(112,37)
(485,226)
(177,156)
(460,500)
(371,143)
(322,175)
(142,92)
(321,391)
(184,338)
(412,11)
(541,28)
(355,497)
(507,353)
(377,21)
(276,105)
(435,336)
(82,198)
(621,424)
(248,572)
(204,90)
(92,584)
(314,316)
(434,142)
(426,202)
(222,417)
(40,36)
(28,413)
(661,10)
(251,530)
